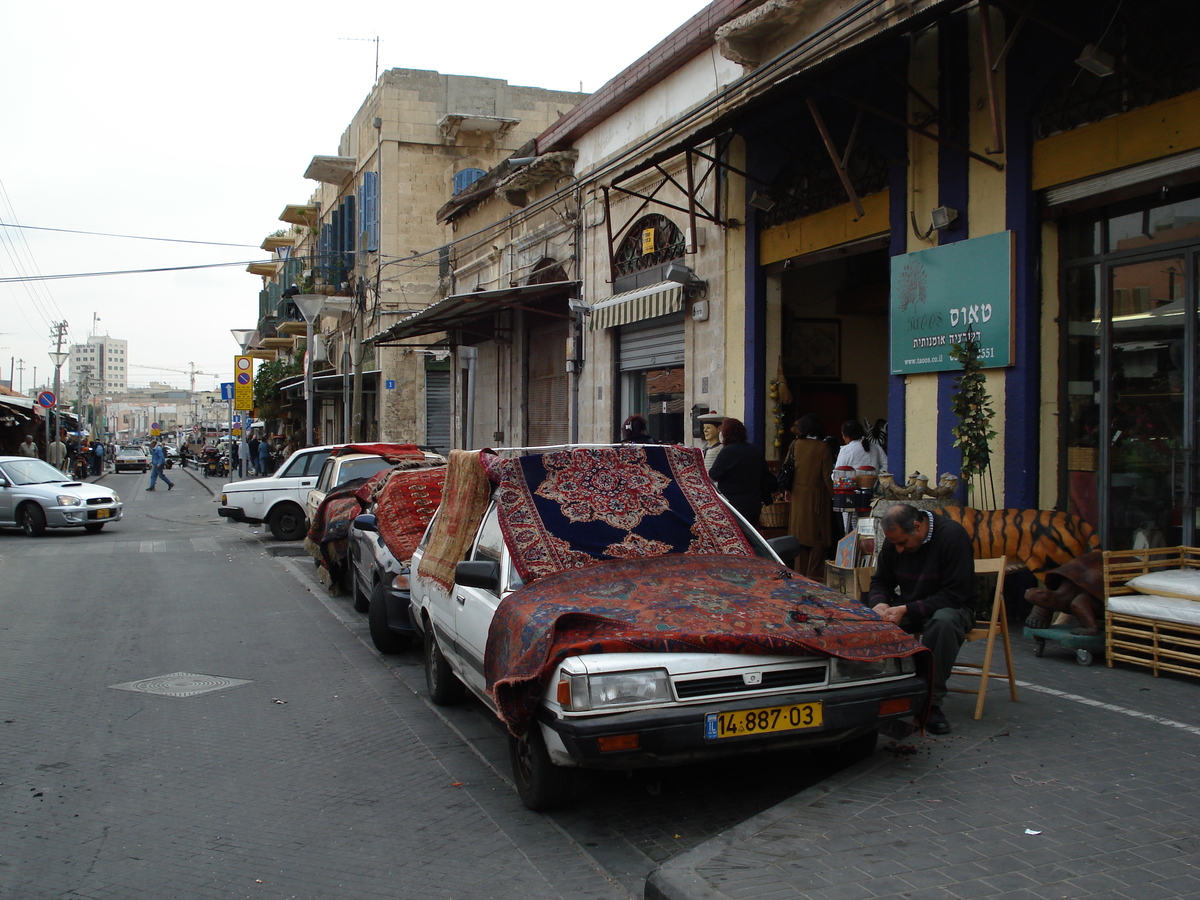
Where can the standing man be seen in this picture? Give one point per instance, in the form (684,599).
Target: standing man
(56,453)
(931,564)
(29,448)
(97,457)
(253,466)
(158,458)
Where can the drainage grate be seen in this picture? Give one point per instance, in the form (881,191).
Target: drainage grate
(180,684)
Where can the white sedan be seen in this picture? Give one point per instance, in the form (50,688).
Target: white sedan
(278,500)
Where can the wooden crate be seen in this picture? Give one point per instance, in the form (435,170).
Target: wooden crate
(1159,646)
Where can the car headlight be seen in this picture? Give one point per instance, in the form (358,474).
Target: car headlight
(583,692)
(400,582)
(116,498)
(68,500)
(866,669)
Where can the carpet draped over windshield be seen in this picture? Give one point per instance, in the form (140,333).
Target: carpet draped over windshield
(404,505)
(724,604)
(570,508)
(464,501)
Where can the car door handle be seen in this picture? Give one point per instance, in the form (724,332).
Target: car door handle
(305,483)
(461,599)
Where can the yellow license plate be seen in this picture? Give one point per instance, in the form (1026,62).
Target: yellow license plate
(103,513)
(762,721)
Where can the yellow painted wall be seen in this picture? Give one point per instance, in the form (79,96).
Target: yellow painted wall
(828,228)
(986,208)
(920,395)
(734,401)
(1161,129)
(1048,425)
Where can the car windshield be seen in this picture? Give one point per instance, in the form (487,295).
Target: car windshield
(361,468)
(32,471)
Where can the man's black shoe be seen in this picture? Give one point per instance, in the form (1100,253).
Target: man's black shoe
(937,724)
(170,484)
(149,488)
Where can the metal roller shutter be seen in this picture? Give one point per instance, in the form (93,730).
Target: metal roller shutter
(652,344)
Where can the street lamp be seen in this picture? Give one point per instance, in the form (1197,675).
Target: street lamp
(58,358)
(310,307)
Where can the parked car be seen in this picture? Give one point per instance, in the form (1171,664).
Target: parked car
(379,584)
(636,708)
(343,467)
(35,496)
(132,457)
(278,499)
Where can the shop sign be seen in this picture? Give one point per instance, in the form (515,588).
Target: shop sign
(950,294)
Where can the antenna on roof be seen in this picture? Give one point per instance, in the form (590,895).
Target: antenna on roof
(376,39)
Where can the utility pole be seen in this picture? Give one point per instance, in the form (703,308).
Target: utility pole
(21,372)
(58,334)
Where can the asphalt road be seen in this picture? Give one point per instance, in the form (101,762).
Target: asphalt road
(288,758)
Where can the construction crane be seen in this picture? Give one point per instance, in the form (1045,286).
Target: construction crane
(191,372)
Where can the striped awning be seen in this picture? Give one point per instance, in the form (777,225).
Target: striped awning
(660,299)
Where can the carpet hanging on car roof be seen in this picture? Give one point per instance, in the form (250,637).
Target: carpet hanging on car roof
(570,508)
(678,604)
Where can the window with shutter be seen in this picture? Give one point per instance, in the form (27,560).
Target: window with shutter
(466,178)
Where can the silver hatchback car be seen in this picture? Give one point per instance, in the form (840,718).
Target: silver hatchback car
(35,496)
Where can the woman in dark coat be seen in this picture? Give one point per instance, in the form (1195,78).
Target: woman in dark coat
(740,472)
(634,431)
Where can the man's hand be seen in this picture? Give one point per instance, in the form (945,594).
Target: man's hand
(891,614)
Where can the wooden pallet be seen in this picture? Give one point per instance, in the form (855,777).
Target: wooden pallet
(1159,646)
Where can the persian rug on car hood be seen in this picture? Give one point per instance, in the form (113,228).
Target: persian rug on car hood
(464,501)
(405,504)
(570,508)
(680,604)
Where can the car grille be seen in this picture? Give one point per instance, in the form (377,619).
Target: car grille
(99,501)
(735,684)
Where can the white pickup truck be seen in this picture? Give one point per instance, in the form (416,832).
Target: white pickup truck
(278,500)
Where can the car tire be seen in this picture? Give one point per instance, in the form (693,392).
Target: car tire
(385,640)
(540,783)
(287,522)
(361,601)
(444,687)
(32,520)
(94,527)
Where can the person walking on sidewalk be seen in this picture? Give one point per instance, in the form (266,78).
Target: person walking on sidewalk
(29,448)
(158,459)
(932,566)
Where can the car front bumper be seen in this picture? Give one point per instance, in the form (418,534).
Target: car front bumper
(74,516)
(674,735)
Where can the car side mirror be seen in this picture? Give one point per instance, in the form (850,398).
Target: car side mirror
(786,546)
(478,573)
(365,522)
(4,482)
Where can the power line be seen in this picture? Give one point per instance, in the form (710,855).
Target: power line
(28,278)
(132,237)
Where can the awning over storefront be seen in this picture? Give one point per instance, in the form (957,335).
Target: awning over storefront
(328,384)
(660,299)
(457,310)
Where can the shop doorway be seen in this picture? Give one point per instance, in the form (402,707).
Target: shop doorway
(1131,372)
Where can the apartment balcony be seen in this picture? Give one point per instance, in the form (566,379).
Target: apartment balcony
(333,170)
(304,214)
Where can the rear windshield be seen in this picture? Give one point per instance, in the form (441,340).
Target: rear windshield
(361,468)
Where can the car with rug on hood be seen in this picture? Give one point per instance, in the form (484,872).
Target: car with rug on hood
(615,612)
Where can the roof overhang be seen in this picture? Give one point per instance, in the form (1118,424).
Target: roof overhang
(331,169)
(269,269)
(329,384)
(453,123)
(275,241)
(459,309)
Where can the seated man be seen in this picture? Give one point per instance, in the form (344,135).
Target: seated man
(933,568)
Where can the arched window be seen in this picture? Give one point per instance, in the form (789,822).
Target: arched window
(466,178)
(547,271)
(651,241)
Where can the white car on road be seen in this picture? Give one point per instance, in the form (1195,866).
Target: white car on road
(278,500)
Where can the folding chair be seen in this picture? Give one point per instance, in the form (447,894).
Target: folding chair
(987,631)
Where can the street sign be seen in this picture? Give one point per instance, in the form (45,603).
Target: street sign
(226,390)
(46,399)
(243,387)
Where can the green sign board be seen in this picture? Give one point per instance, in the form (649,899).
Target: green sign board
(950,294)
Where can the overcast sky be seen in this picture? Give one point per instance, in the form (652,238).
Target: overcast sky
(196,122)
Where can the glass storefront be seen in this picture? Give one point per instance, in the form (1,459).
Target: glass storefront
(1129,401)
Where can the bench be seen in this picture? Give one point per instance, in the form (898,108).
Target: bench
(1148,624)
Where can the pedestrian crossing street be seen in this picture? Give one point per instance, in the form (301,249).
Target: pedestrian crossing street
(100,546)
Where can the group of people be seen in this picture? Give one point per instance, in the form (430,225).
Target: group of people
(90,454)
(254,457)
(924,577)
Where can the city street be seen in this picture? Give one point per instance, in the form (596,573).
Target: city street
(283,757)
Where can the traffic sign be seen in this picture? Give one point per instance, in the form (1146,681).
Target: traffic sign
(226,390)
(243,392)
(46,399)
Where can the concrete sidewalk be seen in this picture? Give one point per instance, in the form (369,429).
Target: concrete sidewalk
(1089,786)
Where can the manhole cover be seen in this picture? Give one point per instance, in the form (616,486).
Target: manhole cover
(180,684)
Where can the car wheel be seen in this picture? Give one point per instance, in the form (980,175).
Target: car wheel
(94,527)
(540,783)
(385,640)
(32,519)
(444,687)
(287,522)
(361,600)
